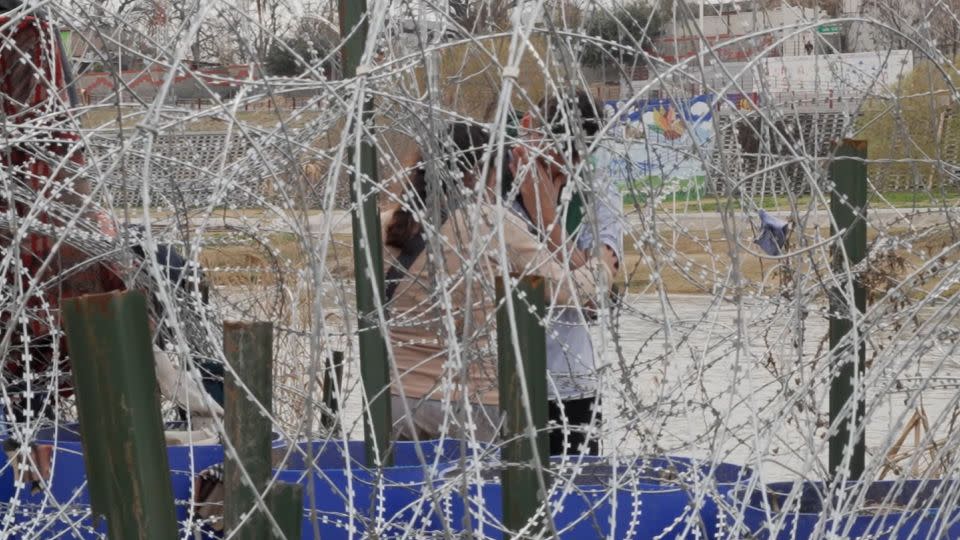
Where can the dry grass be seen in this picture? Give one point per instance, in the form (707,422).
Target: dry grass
(691,262)
(105,117)
(709,252)
(239,261)
(471,76)
(706,252)
(268,275)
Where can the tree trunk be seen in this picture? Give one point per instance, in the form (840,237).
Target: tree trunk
(195,48)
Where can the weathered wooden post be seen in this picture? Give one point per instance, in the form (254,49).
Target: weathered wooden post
(374,369)
(521,492)
(119,407)
(848,205)
(248,348)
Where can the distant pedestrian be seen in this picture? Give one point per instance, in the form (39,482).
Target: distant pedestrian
(808,47)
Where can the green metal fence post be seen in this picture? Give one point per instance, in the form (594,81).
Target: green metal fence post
(848,205)
(119,407)
(285,502)
(332,372)
(248,348)
(373,349)
(521,493)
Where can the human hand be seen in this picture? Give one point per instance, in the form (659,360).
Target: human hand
(610,259)
(538,191)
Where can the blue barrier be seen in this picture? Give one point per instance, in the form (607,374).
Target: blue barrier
(67,486)
(61,511)
(654,498)
(68,479)
(390,502)
(907,509)
(27,520)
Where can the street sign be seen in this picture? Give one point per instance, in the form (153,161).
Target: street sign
(65,38)
(832,28)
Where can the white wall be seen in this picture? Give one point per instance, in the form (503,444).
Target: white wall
(775,20)
(843,74)
(871,35)
(816,78)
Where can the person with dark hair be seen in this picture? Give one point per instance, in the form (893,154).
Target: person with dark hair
(591,224)
(443,257)
(203,402)
(467,142)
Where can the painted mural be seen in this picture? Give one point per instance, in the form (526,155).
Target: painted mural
(655,144)
(659,147)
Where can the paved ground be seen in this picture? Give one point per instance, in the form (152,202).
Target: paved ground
(695,394)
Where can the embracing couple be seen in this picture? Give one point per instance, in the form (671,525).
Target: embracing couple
(449,235)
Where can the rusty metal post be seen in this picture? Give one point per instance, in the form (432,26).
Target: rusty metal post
(521,492)
(119,407)
(248,348)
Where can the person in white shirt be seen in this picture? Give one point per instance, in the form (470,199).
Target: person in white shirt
(571,359)
(459,396)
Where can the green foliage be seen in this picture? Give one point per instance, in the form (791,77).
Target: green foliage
(906,126)
(293,56)
(632,25)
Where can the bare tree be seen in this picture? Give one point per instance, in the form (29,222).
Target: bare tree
(945,26)
(482,15)
(230,33)
(832,8)
(900,20)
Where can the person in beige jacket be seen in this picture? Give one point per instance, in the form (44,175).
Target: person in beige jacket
(442,260)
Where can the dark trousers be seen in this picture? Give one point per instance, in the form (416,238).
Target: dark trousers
(211,375)
(41,405)
(579,413)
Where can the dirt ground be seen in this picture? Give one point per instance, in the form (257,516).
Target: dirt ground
(105,117)
(690,262)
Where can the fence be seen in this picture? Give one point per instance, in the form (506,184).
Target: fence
(774,356)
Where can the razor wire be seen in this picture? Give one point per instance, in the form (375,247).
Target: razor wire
(167,123)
